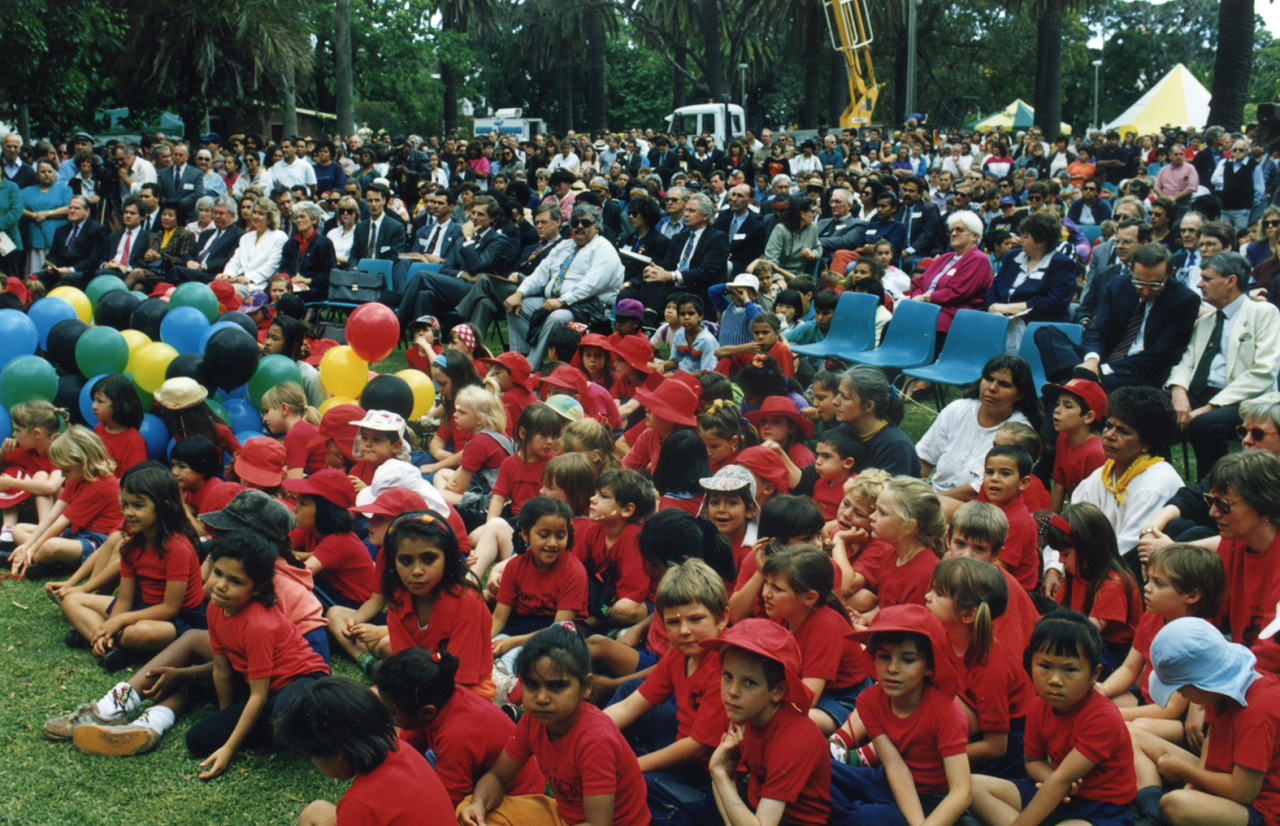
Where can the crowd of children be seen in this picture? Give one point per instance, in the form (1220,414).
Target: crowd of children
(660,581)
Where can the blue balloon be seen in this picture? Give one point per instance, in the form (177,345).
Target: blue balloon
(246,436)
(6,428)
(47,312)
(18,335)
(86,400)
(156,435)
(182,329)
(243,416)
(210,331)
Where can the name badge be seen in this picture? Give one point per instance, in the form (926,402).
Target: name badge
(915,215)
(873,232)
(740,236)
(385,249)
(188,186)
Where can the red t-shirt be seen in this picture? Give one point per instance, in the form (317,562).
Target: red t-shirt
(364,471)
(214,495)
(936,729)
(827,653)
(262,643)
(787,760)
(127,447)
(461,622)
(689,504)
(1249,736)
(482,451)
(619,565)
(643,455)
(600,405)
(533,592)
(153,572)
(699,711)
(467,735)
(1019,554)
(456,438)
(344,560)
(1253,588)
(998,690)
(514,401)
(1097,731)
(92,506)
(591,758)
(29,460)
(906,584)
(420,361)
(1072,464)
(518,480)
(402,791)
(304,448)
(871,559)
(1119,606)
(1020,616)
(800,455)
(1148,627)
(732,365)
(827,494)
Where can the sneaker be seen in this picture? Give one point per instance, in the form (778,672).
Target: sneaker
(368,664)
(116,741)
(42,570)
(63,728)
(118,658)
(74,640)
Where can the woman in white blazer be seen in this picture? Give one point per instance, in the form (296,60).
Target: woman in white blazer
(258,256)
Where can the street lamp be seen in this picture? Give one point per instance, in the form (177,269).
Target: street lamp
(1097,80)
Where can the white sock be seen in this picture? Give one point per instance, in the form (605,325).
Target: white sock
(119,701)
(157,718)
(6,533)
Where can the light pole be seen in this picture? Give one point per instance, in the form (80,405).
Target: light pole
(910,96)
(742,71)
(1097,80)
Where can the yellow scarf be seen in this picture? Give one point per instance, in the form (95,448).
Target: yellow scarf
(1119,486)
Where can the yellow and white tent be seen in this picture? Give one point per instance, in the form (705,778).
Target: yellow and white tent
(1017,115)
(1178,99)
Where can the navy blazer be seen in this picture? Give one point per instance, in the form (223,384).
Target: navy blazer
(88,251)
(1166,334)
(495,254)
(222,251)
(706,265)
(1047,292)
(750,246)
(186,193)
(389,243)
(452,239)
(136,250)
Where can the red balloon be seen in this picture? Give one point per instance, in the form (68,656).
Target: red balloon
(373,331)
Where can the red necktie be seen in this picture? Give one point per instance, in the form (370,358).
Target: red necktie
(124,256)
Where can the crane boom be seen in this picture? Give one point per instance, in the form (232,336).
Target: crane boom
(851,35)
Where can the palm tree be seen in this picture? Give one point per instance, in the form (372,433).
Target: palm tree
(1232,64)
(1047,100)
(344,78)
(457,17)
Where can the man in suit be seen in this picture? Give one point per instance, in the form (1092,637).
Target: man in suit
(125,249)
(15,169)
(1232,358)
(671,224)
(435,241)
(663,159)
(695,258)
(78,246)
(743,228)
(149,203)
(214,247)
(487,249)
(1105,256)
(1130,234)
(842,231)
(379,235)
(922,221)
(180,181)
(486,295)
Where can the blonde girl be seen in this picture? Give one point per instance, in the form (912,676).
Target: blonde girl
(593,439)
(908,516)
(285,412)
(35,425)
(724,433)
(478,412)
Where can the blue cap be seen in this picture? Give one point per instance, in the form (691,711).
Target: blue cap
(1190,651)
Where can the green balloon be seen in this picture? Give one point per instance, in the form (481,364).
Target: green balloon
(195,294)
(218,410)
(145,397)
(101,285)
(272,370)
(25,379)
(101,350)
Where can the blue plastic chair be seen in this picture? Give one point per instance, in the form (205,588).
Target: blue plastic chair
(375,265)
(1031,354)
(909,340)
(975,336)
(852,330)
(1091,231)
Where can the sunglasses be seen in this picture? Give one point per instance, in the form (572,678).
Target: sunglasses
(1256,433)
(347,211)
(581,222)
(1223,504)
(1271,223)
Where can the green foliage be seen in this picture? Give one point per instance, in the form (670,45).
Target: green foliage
(639,84)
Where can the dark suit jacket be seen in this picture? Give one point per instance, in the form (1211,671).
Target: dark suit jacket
(88,251)
(222,251)
(1047,292)
(654,246)
(26,176)
(151,223)
(186,193)
(750,246)
(1168,330)
(314,264)
(389,243)
(136,250)
(845,233)
(530,257)
(495,253)
(706,265)
(925,228)
(452,239)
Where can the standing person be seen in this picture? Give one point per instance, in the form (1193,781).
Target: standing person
(44,210)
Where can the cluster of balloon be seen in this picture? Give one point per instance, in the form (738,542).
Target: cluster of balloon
(424,391)
(388,392)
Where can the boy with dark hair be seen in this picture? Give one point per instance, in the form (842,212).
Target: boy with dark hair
(608,545)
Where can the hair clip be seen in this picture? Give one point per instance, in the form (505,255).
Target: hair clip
(758,360)
(1061,524)
(566,625)
(435,657)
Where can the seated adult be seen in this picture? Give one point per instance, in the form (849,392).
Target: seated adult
(169,247)
(379,235)
(1233,357)
(745,230)
(257,257)
(343,233)
(955,446)
(1089,209)
(1111,260)
(884,227)
(78,246)
(1141,329)
(695,259)
(1037,282)
(957,279)
(214,247)
(793,243)
(576,282)
(126,247)
(435,241)
(644,214)
(308,256)
(921,220)
(871,409)
(842,233)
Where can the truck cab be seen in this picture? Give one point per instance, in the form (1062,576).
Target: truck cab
(708,117)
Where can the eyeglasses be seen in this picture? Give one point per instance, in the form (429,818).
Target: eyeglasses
(957,230)
(1090,189)
(581,222)
(1255,433)
(1223,504)
(1271,224)
(346,211)
(1154,286)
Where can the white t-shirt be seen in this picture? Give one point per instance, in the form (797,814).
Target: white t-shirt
(299,173)
(956,445)
(1147,492)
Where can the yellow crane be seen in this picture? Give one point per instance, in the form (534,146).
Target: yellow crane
(850,32)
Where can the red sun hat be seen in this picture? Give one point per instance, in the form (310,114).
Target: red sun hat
(329,484)
(782,406)
(261,462)
(771,641)
(918,620)
(672,401)
(635,351)
(336,425)
(567,378)
(393,502)
(515,364)
(764,463)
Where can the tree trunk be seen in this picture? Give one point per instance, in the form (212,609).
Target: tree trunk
(814,55)
(837,87)
(1037,94)
(899,47)
(24,120)
(1232,64)
(564,93)
(679,86)
(449,80)
(1049,110)
(289,111)
(712,55)
(344,78)
(595,90)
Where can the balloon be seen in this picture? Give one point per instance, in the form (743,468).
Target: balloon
(62,343)
(115,308)
(244,436)
(147,316)
(156,435)
(195,294)
(231,357)
(136,339)
(342,372)
(272,370)
(101,285)
(373,331)
(27,378)
(388,393)
(85,402)
(241,320)
(334,401)
(146,398)
(47,312)
(192,366)
(70,388)
(6,428)
(424,391)
(152,361)
(243,415)
(18,336)
(218,410)
(101,350)
(182,328)
(213,328)
(78,300)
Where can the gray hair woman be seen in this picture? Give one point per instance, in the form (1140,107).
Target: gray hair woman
(957,279)
(204,215)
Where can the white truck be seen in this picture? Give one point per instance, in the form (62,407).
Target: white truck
(510,122)
(708,117)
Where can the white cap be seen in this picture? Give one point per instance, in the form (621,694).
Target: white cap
(394,473)
(745,280)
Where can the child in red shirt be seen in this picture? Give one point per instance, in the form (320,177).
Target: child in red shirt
(723,433)
(194,463)
(514,376)
(908,516)
(766,330)
(326,542)
(838,456)
(119,415)
(670,405)
(537,437)
(784,521)
(27,469)
(424,332)
(911,718)
(1024,436)
(181,403)
(1006,473)
(858,556)
(285,412)
(682,463)
(977,531)
(632,370)
(1080,409)
(617,582)
(479,412)
(452,372)
(594,357)
(784,430)
(593,771)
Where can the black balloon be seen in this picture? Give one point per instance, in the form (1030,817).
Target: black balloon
(68,395)
(62,344)
(192,366)
(236,317)
(115,308)
(231,357)
(147,316)
(388,393)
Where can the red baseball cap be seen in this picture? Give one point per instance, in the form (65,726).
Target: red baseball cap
(329,484)
(782,406)
(771,641)
(515,364)
(336,425)
(918,620)
(393,502)
(1090,392)
(261,462)
(765,464)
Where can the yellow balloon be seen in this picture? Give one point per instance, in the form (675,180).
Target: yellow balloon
(424,391)
(149,364)
(343,373)
(334,401)
(136,339)
(78,301)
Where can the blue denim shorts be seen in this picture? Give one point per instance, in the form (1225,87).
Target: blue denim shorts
(89,541)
